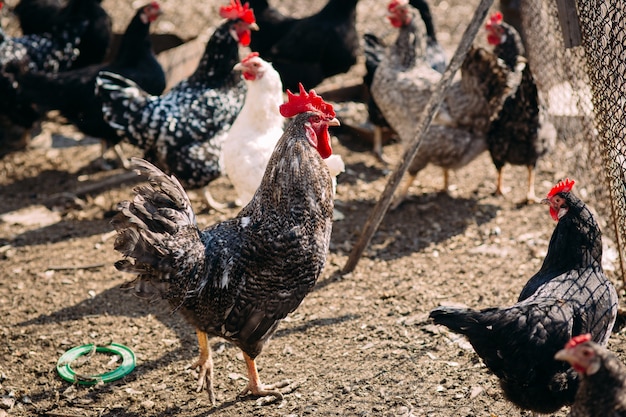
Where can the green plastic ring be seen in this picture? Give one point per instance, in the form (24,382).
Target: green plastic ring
(68,374)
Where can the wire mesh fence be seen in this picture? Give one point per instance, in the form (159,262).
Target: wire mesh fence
(585,91)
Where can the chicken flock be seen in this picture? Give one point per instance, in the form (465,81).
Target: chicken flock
(248,112)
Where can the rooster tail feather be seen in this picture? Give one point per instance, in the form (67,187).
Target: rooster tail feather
(157,231)
(460,320)
(120,98)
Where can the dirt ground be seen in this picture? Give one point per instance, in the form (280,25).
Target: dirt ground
(359,345)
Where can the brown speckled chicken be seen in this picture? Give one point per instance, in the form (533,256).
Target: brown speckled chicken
(602,390)
(521,134)
(239,278)
(403,84)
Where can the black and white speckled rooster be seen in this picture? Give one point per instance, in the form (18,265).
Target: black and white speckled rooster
(239,278)
(568,296)
(183,130)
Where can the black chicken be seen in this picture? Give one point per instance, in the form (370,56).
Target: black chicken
(311,49)
(569,296)
(375,49)
(37,16)
(239,278)
(183,130)
(50,16)
(521,133)
(73,92)
(51,52)
(272,26)
(602,390)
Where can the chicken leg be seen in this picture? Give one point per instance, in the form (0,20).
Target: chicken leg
(530,195)
(205,363)
(499,183)
(378,145)
(255,387)
(531,198)
(403,192)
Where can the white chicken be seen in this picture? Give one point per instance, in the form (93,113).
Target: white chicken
(259,125)
(253,136)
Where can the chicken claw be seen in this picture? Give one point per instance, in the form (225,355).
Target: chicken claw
(259,390)
(256,388)
(205,363)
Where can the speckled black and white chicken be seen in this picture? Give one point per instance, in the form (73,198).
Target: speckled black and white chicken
(239,278)
(403,84)
(602,389)
(521,133)
(183,130)
(568,296)
(72,92)
(51,52)
(38,17)
(374,50)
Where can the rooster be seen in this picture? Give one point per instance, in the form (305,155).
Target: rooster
(183,130)
(402,86)
(239,278)
(310,49)
(568,296)
(72,92)
(521,133)
(602,390)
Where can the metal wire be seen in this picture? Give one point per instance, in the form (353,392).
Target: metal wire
(585,90)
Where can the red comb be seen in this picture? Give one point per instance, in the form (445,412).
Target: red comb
(236,11)
(304,102)
(577,340)
(249,57)
(562,187)
(395,3)
(494,19)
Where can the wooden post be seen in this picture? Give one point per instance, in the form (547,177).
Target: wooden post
(570,25)
(423,123)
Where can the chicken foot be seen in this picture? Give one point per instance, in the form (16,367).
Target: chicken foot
(205,363)
(255,387)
